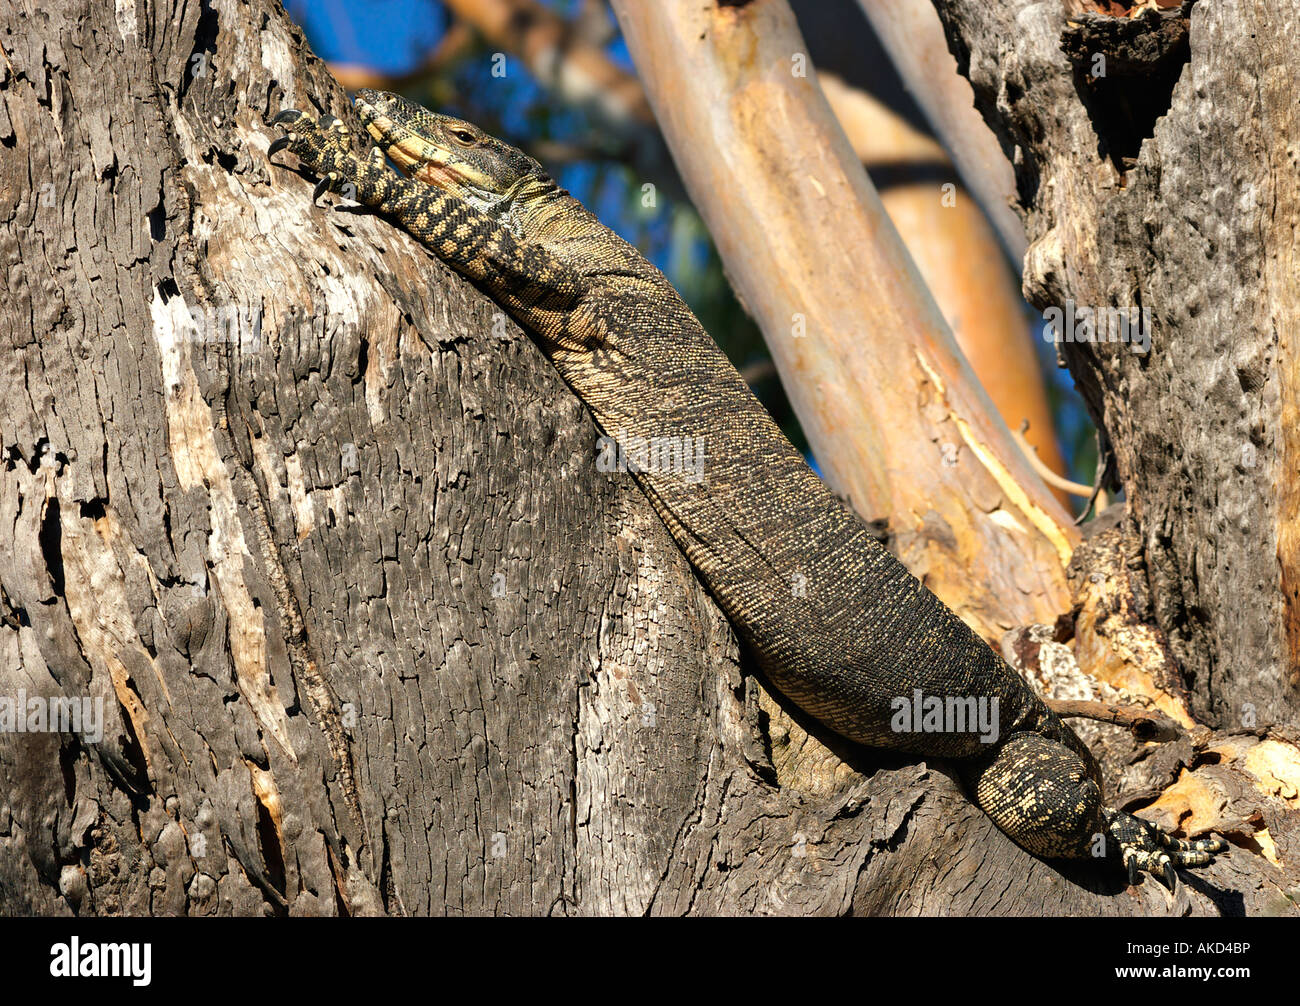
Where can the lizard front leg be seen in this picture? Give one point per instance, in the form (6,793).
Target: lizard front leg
(542,291)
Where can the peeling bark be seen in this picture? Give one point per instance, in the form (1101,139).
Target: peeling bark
(1170,185)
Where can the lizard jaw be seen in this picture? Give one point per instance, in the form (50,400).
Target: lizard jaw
(417,158)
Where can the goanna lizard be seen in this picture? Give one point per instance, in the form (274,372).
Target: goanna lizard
(861,633)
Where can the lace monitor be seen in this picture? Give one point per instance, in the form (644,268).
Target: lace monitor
(861,634)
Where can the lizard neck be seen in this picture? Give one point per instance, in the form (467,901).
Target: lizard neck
(540,200)
(518,210)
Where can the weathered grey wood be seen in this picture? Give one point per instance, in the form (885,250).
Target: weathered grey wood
(372,633)
(1200,230)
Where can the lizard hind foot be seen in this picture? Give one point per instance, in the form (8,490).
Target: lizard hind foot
(1147,848)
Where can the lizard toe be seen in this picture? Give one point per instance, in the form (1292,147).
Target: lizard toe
(1131,865)
(320,146)
(1192,848)
(332,124)
(1147,848)
(323,186)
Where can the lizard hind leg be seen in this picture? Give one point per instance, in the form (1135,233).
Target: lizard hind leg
(1041,793)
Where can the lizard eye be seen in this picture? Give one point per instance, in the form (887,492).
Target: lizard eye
(462,136)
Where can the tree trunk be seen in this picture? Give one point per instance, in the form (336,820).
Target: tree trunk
(319,531)
(1168,183)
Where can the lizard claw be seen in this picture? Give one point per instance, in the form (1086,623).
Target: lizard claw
(1145,847)
(320,145)
(324,185)
(324,147)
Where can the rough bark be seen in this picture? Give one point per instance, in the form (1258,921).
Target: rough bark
(1170,184)
(322,530)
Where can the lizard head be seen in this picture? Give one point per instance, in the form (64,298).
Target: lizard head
(448,153)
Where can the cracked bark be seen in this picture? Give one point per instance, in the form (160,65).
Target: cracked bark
(1170,184)
(320,528)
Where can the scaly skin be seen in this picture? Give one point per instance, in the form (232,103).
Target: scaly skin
(836,622)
